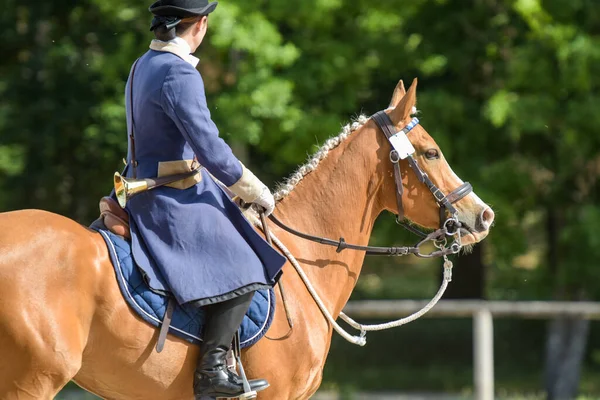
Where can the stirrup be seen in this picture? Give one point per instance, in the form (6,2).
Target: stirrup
(232,362)
(249,394)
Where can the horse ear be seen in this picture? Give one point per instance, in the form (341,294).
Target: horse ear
(399,92)
(406,105)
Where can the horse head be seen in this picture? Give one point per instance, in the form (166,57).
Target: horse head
(420,206)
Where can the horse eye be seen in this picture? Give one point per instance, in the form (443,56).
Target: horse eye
(432,154)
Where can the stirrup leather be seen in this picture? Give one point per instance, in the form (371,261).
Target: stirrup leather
(249,394)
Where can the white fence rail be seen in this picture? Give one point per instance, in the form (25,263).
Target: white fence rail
(483,332)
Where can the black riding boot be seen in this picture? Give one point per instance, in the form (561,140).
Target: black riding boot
(212,378)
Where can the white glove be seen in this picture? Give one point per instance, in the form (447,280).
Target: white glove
(250,189)
(266,201)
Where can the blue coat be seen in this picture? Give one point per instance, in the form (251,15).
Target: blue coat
(194,243)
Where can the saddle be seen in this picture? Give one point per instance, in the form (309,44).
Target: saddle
(114,217)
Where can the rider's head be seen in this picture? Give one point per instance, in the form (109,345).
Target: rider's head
(187,19)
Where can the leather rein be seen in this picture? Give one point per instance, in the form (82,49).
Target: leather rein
(449,224)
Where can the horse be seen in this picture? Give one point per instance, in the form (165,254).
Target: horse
(63,318)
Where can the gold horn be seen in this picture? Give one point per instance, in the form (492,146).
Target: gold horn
(125,189)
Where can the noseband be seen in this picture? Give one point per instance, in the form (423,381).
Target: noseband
(449,224)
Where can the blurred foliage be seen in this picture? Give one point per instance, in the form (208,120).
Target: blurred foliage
(508,88)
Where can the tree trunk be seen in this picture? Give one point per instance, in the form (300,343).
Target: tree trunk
(567,336)
(565,349)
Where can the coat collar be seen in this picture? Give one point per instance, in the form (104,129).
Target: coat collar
(177,46)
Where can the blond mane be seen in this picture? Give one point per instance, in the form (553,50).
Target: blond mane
(284,189)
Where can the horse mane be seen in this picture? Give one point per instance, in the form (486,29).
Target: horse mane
(285,188)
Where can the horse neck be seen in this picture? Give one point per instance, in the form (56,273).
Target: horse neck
(339,199)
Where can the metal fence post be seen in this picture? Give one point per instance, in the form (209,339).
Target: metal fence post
(483,354)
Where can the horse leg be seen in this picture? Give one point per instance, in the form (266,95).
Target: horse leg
(35,364)
(34,372)
(293,362)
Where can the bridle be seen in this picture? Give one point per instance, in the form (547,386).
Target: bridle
(448,213)
(449,223)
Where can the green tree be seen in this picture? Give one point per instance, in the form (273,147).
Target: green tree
(508,88)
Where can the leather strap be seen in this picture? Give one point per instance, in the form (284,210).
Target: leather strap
(372,250)
(387,127)
(459,192)
(440,197)
(341,244)
(288,315)
(153,183)
(133,160)
(131,134)
(166,323)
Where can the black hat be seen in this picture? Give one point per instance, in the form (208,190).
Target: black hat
(182,8)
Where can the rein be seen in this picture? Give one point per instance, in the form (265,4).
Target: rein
(341,244)
(449,227)
(361,339)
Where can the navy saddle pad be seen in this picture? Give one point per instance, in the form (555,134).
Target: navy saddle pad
(187,321)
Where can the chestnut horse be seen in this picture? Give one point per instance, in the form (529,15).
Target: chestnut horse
(62,316)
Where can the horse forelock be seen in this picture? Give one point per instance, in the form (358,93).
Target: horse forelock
(284,189)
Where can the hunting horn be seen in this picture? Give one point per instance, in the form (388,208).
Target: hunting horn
(125,189)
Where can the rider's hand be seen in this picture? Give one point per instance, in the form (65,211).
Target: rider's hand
(266,201)
(252,191)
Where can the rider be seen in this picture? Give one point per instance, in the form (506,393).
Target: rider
(190,239)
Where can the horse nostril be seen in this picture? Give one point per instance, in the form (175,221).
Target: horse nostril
(486,218)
